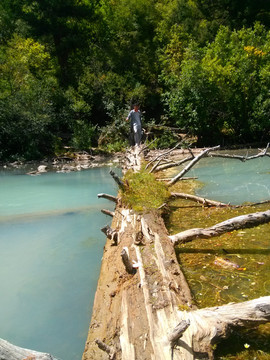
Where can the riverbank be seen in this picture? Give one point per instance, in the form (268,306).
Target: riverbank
(66,163)
(77,161)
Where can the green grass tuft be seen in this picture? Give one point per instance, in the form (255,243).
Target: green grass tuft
(143,192)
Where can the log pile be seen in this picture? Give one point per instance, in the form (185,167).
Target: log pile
(143,307)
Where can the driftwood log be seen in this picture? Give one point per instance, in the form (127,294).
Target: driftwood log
(198,199)
(236,223)
(209,325)
(205,153)
(143,308)
(12,352)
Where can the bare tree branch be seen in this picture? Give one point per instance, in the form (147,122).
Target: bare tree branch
(211,154)
(146,146)
(110,233)
(108,197)
(191,164)
(205,202)
(117,179)
(127,262)
(173,164)
(107,212)
(262,153)
(210,325)
(106,349)
(208,202)
(163,154)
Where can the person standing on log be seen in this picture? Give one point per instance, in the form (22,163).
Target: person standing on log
(135,125)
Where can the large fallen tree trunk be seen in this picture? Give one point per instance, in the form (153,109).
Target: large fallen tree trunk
(133,313)
(143,308)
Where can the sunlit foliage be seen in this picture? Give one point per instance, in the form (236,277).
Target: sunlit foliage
(221,91)
(198,65)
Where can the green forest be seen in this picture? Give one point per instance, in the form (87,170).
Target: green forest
(70,70)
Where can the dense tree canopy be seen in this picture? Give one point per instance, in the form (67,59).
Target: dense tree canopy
(69,71)
(221,91)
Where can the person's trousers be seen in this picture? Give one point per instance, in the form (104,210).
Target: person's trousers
(137,131)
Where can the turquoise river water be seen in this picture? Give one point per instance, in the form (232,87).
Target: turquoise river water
(234,181)
(51,246)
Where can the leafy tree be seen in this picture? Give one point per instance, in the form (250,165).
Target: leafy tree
(235,13)
(66,26)
(10,21)
(129,48)
(69,68)
(26,108)
(221,92)
(181,18)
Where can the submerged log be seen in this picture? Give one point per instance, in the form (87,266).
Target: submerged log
(9,351)
(236,223)
(204,201)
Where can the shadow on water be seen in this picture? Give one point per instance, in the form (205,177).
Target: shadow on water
(255,342)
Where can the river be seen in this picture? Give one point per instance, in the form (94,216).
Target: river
(234,181)
(51,248)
